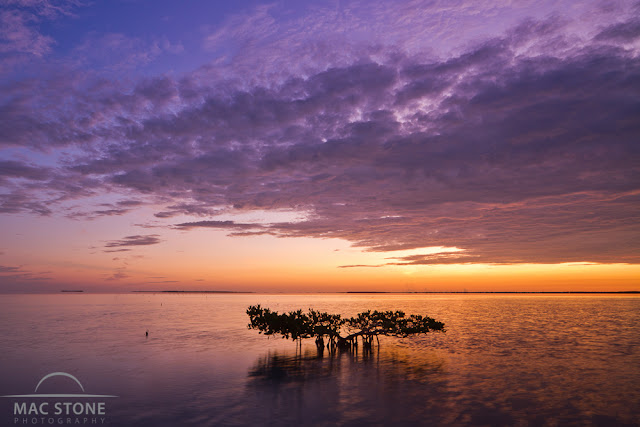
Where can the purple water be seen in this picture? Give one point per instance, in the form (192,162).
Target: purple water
(504,360)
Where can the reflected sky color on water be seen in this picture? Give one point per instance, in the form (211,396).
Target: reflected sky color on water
(505,360)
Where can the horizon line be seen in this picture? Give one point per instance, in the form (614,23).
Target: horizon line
(83,292)
(391,292)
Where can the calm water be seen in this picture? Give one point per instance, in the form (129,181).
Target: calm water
(505,360)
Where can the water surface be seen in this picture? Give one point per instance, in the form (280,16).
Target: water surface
(505,360)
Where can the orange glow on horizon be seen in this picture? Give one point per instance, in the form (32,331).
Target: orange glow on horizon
(211,260)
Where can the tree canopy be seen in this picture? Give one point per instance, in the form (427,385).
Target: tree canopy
(297,325)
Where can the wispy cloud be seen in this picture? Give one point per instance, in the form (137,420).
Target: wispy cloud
(137,240)
(9,269)
(119,274)
(18,36)
(119,52)
(21,38)
(627,31)
(19,275)
(49,9)
(217,224)
(106,209)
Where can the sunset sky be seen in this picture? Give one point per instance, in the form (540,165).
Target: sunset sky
(320,145)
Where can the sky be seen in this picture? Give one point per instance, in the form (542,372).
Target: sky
(319,146)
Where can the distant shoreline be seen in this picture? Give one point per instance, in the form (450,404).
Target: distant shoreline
(489,292)
(176,291)
(195,292)
(398,292)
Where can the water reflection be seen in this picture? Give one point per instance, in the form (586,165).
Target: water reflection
(505,360)
(379,387)
(277,368)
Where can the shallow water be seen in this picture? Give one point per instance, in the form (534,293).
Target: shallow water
(504,360)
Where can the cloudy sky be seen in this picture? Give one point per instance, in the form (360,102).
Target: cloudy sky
(319,145)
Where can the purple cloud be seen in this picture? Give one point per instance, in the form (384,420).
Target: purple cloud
(138,240)
(117,52)
(119,274)
(22,41)
(18,36)
(623,32)
(217,224)
(519,148)
(19,201)
(107,209)
(14,169)
(9,269)
(49,9)
(15,277)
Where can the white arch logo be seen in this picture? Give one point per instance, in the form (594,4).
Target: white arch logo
(59,374)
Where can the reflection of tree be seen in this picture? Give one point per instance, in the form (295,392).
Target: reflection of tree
(376,387)
(283,367)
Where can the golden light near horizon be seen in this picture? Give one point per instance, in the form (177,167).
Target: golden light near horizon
(212,260)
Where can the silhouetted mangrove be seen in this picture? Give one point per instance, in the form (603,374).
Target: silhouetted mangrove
(297,325)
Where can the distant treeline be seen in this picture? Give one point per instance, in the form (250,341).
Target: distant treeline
(194,292)
(492,292)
